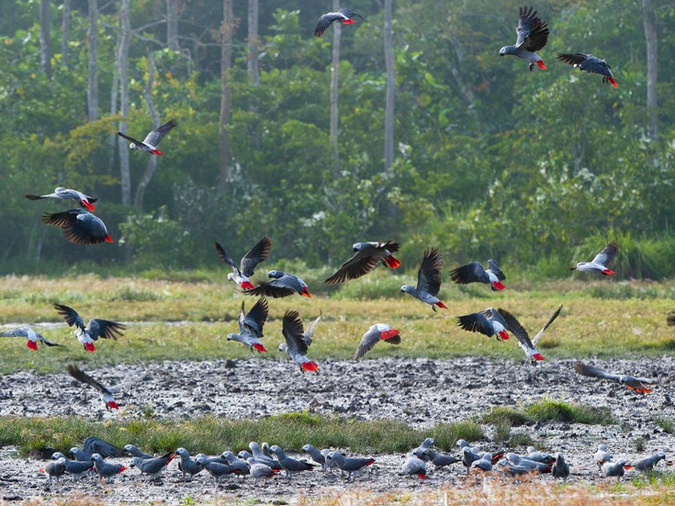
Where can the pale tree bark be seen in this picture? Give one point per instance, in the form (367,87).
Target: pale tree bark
(227,29)
(65,32)
(123,66)
(45,34)
(389,94)
(334,94)
(253,42)
(172,25)
(152,161)
(649,21)
(92,81)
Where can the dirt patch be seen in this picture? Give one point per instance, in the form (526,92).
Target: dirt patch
(420,392)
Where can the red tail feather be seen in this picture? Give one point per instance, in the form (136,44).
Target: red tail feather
(123,468)
(247,285)
(309,366)
(498,285)
(611,80)
(348,22)
(541,65)
(388,334)
(88,205)
(113,405)
(156,152)
(608,272)
(440,304)
(422,476)
(538,356)
(108,238)
(89,347)
(392,262)
(260,348)
(305,293)
(370,462)
(504,335)
(32,345)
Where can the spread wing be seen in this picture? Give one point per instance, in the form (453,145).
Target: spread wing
(309,333)
(469,273)
(532,31)
(103,448)
(256,317)
(536,338)
(125,136)
(606,256)
(429,275)
(325,21)
(23,332)
(224,256)
(476,322)
(79,227)
(83,377)
(357,266)
(368,340)
(494,269)
(592,371)
(156,135)
(516,328)
(256,255)
(586,62)
(70,315)
(270,289)
(104,328)
(293,332)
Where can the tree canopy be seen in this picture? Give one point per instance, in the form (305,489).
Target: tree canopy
(490,160)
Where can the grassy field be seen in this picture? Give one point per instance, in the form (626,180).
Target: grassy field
(170,319)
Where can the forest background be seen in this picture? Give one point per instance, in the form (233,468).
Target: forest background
(406,125)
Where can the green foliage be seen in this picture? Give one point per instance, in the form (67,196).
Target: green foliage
(667,424)
(547,410)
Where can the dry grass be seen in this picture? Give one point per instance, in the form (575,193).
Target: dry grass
(589,325)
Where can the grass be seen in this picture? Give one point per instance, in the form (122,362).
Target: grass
(213,435)
(548,410)
(667,424)
(203,312)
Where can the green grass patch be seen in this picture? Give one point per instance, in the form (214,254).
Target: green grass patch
(547,410)
(213,435)
(667,424)
(205,311)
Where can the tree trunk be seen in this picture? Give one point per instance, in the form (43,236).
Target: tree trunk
(253,42)
(389,96)
(92,81)
(649,19)
(334,94)
(123,64)
(152,162)
(226,34)
(45,34)
(172,25)
(65,33)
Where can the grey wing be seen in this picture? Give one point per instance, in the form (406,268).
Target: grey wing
(157,134)
(606,256)
(224,256)
(592,371)
(494,268)
(83,377)
(270,289)
(309,333)
(532,31)
(256,317)
(293,332)
(104,328)
(103,448)
(70,315)
(325,21)
(357,266)
(256,255)
(429,275)
(476,322)
(469,273)
(536,338)
(125,136)
(368,340)
(20,332)
(516,328)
